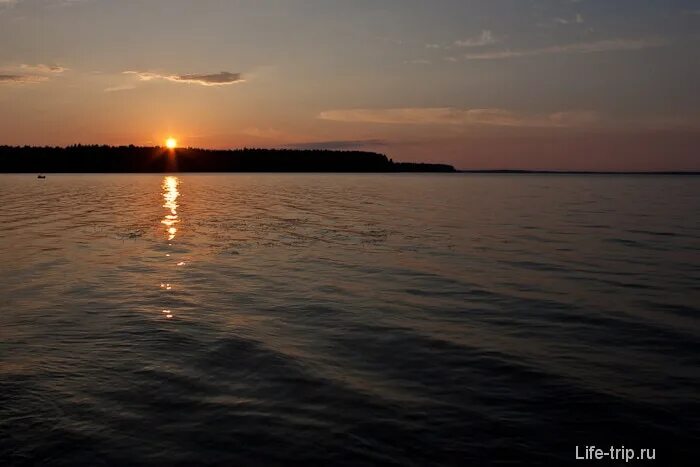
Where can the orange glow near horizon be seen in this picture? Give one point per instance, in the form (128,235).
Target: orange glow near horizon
(171,143)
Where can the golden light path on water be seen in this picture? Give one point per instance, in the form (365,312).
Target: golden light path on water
(170,196)
(170,221)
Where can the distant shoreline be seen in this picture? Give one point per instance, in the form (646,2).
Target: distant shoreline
(574,172)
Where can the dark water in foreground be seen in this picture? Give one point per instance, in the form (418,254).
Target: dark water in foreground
(342,319)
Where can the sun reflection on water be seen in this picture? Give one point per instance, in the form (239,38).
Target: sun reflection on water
(170,221)
(170,196)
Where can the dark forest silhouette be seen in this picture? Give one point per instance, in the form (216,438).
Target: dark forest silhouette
(135,159)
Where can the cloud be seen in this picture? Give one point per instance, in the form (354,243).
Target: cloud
(578,19)
(447,116)
(216,79)
(125,87)
(68,2)
(453,116)
(24,74)
(339,145)
(41,68)
(21,79)
(47,4)
(485,38)
(265,133)
(609,45)
(418,61)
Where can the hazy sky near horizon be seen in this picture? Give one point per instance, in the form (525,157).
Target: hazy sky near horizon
(538,84)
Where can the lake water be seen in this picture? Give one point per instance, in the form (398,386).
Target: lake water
(344,319)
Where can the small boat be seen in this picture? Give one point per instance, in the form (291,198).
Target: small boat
(41,176)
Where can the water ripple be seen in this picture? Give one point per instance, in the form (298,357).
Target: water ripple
(346,319)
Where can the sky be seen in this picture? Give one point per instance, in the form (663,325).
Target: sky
(480,84)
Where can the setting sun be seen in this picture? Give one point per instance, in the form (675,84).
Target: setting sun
(171,143)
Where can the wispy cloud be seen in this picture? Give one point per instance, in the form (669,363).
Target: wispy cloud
(340,145)
(68,2)
(418,61)
(609,45)
(578,19)
(47,4)
(454,116)
(216,79)
(485,38)
(569,119)
(21,79)
(41,68)
(124,87)
(28,74)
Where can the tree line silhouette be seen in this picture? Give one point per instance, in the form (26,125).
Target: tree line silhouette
(136,159)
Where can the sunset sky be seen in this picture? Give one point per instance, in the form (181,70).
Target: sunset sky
(535,84)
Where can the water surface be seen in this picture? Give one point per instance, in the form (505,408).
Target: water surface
(345,319)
